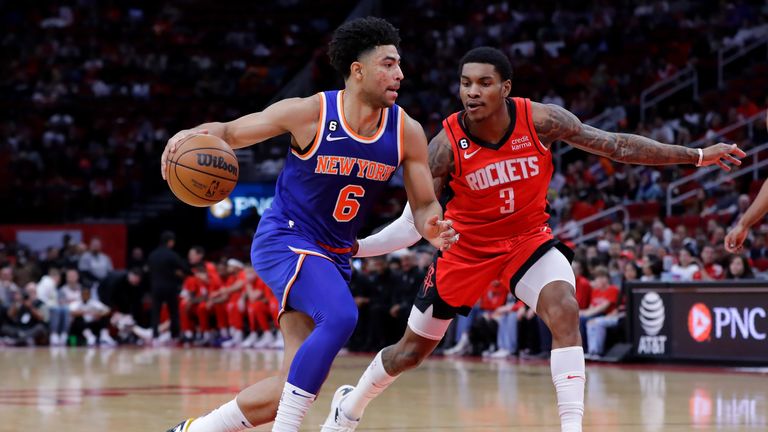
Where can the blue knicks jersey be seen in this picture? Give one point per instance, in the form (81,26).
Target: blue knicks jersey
(326,191)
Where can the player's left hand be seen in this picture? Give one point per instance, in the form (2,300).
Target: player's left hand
(443,234)
(720,154)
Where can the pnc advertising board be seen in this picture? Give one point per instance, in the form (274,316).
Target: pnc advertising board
(702,321)
(244,199)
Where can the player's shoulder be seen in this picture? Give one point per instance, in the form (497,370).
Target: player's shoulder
(311,103)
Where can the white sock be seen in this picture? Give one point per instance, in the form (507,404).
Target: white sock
(373,382)
(294,404)
(568,375)
(226,418)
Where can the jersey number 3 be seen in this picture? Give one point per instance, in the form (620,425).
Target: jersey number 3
(347,205)
(508,195)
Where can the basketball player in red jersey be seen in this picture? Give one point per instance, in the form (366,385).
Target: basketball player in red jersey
(495,158)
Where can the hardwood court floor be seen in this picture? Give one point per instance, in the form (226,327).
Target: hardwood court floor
(149,390)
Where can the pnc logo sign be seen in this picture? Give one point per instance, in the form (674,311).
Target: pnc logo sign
(699,322)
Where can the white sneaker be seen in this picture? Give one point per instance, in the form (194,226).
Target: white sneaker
(336,420)
(53,339)
(105,339)
(461,348)
(237,339)
(500,354)
(90,338)
(145,334)
(265,341)
(279,343)
(250,340)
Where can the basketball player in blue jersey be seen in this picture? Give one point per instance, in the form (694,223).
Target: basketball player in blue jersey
(345,147)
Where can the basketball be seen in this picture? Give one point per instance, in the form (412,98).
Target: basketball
(203,170)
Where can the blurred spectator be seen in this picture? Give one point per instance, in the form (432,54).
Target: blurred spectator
(605,298)
(583,287)
(484,331)
(166,270)
(553,98)
(507,317)
(95,263)
(652,269)
(8,287)
(739,268)
(55,312)
(407,282)
(136,259)
(71,289)
(91,317)
(25,317)
(123,291)
(708,268)
(685,267)
(597,328)
(381,281)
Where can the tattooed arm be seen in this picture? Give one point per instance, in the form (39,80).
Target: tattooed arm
(441,162)
(554,123)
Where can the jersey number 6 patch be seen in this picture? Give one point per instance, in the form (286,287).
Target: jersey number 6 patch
(347,205)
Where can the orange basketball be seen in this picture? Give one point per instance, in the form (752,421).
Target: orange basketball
(203,170)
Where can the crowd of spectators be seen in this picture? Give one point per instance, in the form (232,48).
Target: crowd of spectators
(71,295)
(94,89)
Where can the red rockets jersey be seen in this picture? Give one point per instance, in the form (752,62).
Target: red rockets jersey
(500,190)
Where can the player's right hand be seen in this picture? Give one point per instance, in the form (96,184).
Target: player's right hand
(734,240)
(173,143)
(722,155)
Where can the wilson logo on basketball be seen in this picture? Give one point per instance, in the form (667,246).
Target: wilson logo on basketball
(699,322)
(206,160)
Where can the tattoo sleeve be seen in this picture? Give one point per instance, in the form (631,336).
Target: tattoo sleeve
(440,161)
(554,123)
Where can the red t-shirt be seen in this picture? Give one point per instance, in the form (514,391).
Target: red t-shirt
(609,294)
(715,271)
(583,292)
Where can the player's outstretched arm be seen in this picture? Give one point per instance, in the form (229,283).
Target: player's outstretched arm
(735,237)
(402,232)
(297,116)
(427,213)
(554,123)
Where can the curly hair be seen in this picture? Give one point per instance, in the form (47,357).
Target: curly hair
(491,56)
(355,38)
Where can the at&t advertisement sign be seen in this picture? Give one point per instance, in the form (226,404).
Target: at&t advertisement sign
(652,316)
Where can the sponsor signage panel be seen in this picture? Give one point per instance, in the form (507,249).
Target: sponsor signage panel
(704,321)
(244,199)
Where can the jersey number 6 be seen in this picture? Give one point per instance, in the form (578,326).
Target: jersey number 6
(347,205)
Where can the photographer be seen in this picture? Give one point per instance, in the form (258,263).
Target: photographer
(25,317)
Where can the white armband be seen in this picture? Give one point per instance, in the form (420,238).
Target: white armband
(399,234)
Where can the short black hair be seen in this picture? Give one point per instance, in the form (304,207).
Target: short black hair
(167,236)
(488,55)
(355,38)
